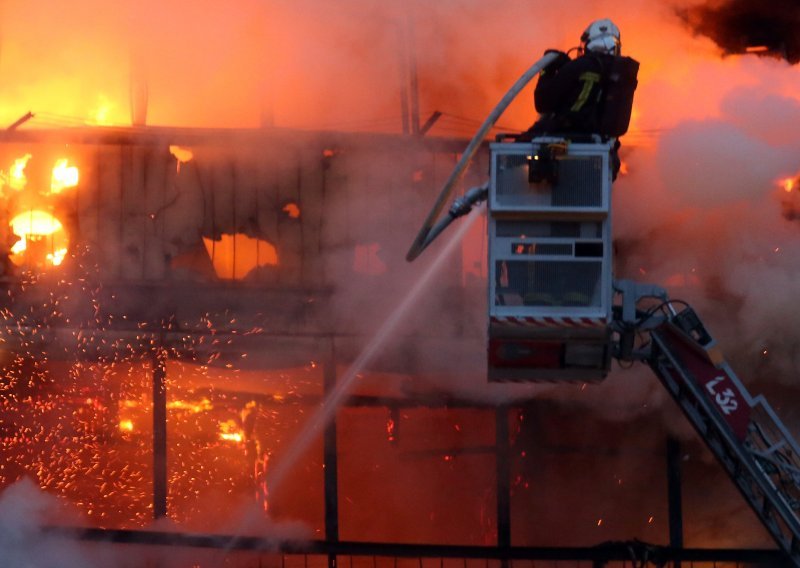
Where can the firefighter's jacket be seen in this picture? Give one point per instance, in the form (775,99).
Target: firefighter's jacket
(591,94)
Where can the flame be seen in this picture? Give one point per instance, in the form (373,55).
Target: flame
(16,174)
(64,176)
(234,256)
(292,210)
(391,430)
(42,239)
(195,407)
(102,114)
(788,197)
(756,49)
(230,431)
(126,425)
(182,155)
(682,280)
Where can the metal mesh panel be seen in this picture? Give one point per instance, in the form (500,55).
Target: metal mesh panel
(513,187)
(547,283)
(580,183)
(509,162)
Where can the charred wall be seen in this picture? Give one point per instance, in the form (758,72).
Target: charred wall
(250,222)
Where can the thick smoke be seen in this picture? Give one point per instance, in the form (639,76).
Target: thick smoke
(29,519)
(24,509)
(767,28)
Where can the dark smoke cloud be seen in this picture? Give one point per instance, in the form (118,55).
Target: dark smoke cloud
(737,25)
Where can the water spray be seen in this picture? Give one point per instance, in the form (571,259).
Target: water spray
(334,400)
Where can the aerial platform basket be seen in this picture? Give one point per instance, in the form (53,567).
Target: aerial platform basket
(550,279)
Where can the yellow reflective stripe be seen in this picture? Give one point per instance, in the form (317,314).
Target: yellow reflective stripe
(589,79)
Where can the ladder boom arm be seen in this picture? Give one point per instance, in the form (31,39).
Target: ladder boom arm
(744,433)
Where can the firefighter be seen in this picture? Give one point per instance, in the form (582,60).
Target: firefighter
(591,94)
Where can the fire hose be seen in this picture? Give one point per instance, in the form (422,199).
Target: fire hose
(424,237)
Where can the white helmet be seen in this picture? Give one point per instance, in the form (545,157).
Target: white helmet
(602,36)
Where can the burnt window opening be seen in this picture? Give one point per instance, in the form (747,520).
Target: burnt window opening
(236,256)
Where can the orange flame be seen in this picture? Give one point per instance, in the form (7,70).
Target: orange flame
(64,176)
(16,174)
(42,239)
(230,431)
(182,155)
(194,407)
(292,210)
(391,430)
(103,113)
(234,256)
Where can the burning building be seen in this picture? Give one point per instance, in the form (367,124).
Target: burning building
(178,300)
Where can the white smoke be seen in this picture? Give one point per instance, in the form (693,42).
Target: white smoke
(24,511)
(30,537)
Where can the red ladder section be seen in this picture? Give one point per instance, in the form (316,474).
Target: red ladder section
(744,433)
